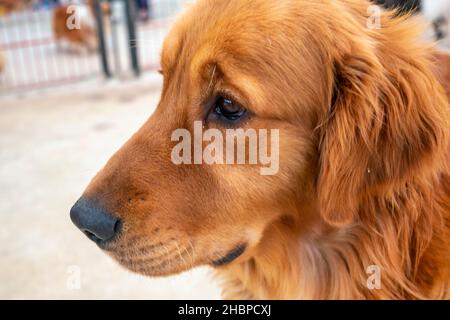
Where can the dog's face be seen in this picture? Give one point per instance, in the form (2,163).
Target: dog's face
(309,70)
(174,217)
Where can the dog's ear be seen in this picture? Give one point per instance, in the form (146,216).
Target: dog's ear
(387,122)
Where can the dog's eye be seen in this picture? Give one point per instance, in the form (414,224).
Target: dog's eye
(227,109)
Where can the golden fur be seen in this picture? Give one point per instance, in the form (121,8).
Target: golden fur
(364,156)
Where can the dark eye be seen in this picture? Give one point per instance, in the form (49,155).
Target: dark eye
(227,109)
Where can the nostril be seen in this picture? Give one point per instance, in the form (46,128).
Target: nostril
(117,226)
(92,236)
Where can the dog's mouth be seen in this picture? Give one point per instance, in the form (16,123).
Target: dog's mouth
(231,256)
(163,259)
(159,259)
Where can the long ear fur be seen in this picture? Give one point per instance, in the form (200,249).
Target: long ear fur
(388,120)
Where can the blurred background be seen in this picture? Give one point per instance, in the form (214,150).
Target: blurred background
(77,78)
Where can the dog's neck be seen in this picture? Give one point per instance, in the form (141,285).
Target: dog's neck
(287,265)
(338,262)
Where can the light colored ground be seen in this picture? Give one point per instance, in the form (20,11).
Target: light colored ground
(50,147)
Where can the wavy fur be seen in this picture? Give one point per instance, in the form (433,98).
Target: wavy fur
(364,156)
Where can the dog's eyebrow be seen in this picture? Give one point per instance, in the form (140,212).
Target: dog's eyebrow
(212,78)
(172,47)
(243,85)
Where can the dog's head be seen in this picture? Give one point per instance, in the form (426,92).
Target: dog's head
(334,91)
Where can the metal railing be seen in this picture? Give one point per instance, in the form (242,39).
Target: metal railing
(130,38)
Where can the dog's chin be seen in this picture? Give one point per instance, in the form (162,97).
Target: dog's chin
(152,267)
(152,261)
(167,265)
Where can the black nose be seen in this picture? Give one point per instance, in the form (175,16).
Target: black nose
(97,224)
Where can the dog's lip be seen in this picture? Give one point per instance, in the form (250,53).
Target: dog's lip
(104,245)
(231,256)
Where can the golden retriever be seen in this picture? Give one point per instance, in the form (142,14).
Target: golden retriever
(8,6)
(2,61)
(360,206)
(75,25)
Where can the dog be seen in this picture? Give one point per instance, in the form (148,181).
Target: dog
(8,6)
(2,62)
(74,25)
(360,206)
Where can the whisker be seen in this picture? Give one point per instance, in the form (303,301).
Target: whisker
(170,262)
(191,255)
(212,78)
(181,257)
